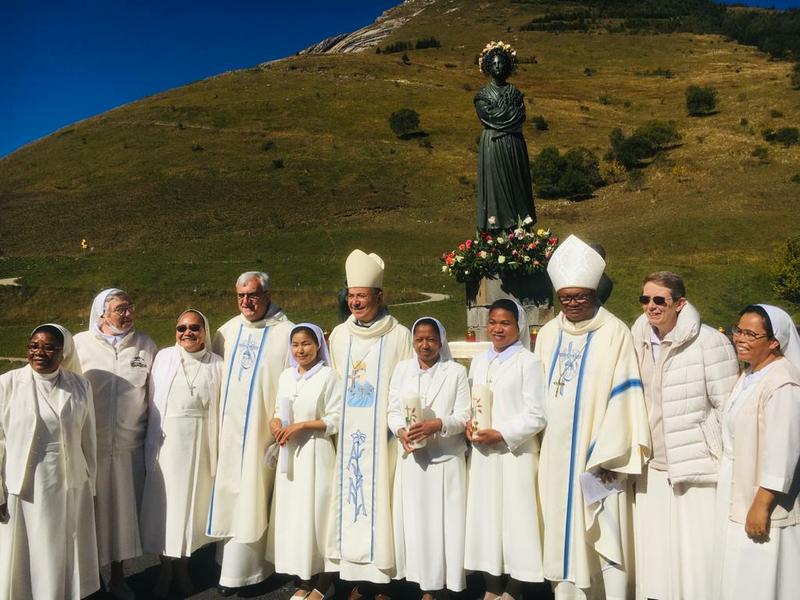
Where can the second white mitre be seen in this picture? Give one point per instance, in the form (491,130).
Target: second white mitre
(364,270)
(575,264)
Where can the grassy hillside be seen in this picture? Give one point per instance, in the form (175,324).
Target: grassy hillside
(289,166)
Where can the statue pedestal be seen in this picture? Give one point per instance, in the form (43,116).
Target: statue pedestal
(533,292)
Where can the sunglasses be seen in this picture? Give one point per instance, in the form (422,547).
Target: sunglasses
(193,327)
(657,300)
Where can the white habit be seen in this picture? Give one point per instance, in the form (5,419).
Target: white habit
(180,451)
(301,506)
(761,448)
(360,541)
(48,549)
(254,355)
(502,531)
(429,499)
(118,373)
(596,418)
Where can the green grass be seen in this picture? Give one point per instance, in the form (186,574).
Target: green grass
(175,226)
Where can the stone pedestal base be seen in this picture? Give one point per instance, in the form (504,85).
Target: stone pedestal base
(533,292)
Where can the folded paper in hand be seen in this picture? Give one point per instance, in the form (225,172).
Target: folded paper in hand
(594,490)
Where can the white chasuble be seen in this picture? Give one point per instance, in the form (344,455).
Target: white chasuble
(361,527)
(254,354)
(596,418)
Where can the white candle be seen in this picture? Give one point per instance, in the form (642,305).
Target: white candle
(481,407)
(285,412)
(413,414)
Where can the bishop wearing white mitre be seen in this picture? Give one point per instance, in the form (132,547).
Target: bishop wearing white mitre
(254,346)
(364,350)
(597,434)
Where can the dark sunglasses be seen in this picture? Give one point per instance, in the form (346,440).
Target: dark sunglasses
(657,300)
(193,327)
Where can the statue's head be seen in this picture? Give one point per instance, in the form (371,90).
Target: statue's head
(498,60)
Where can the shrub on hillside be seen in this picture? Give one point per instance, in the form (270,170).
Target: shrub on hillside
(788,136)
(575,174)
(786,272)
(397,47)
(795,77)
(648,140)
(540,123)
(700,100)
(761,153)
(404,122)
(430,42)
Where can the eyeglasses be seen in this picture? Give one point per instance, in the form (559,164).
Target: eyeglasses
(577,299)
(46,348)
(125,308)
(250,295)
(195,327)
(750,335)
(657,300)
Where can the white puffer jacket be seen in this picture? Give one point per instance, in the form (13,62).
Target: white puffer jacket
(697,377)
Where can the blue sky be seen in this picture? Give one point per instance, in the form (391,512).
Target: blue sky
(62,61)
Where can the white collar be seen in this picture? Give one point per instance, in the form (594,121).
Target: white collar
(308,374)
(503,356)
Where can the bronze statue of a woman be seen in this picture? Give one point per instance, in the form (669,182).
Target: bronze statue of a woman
(505,196)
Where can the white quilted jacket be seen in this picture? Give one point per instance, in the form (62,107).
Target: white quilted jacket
(698,375)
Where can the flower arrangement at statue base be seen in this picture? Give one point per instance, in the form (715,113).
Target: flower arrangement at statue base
(499,254)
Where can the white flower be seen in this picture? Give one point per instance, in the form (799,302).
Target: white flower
(459,258)
(501,259)
(483,254)
(501,240)
(527,220)
(444,268)
(492,220)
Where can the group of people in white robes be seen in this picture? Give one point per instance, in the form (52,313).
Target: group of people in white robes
(611,462)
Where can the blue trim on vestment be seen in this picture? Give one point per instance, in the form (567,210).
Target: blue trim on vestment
(250,391)
(554,358)
(230,370)
(575,424)
(222,420)
(589,451)
(341,440)
(375,448)
(624,386)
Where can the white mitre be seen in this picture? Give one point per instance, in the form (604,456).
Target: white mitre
(364,270)
(575,264)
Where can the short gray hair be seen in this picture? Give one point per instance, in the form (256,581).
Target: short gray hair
(263,279)
(118,294)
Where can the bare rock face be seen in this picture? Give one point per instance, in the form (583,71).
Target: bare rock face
(371,35)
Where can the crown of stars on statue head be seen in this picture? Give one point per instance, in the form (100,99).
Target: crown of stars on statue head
(493,48)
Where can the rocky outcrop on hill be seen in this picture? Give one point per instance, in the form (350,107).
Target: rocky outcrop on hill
(371,35)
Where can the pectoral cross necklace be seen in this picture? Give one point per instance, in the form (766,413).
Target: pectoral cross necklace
(567,368)
(189,383)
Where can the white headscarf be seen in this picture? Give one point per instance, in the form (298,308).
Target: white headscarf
(785,332)
(99,307)
(70,360)
(200,353)
(323,346)
(444,353)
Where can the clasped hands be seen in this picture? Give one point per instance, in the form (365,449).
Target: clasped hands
(483,436)
(284,434)
(419,431)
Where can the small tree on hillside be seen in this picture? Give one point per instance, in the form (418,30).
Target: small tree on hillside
(404,122)
(795,78)
(700,100)
(787,272)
